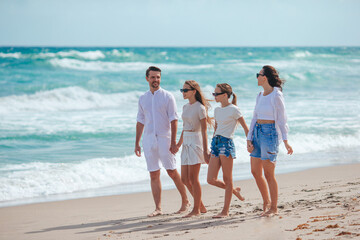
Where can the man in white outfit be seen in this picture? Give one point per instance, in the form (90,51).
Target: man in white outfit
(157,114)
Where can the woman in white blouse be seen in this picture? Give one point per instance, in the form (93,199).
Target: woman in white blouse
(194,139)
(268,127)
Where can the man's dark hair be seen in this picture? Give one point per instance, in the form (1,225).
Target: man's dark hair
(152,68)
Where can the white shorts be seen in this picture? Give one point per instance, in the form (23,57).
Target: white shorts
(156,150)
(192,151)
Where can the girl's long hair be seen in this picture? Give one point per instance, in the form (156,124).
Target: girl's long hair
(272,76)
(199,96)
(226,88)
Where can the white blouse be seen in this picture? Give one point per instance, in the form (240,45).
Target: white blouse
(192,114)
(278,107)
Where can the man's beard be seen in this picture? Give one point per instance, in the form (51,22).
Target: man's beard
(155,85)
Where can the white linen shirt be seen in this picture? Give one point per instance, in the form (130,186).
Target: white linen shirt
(156,111)
(278,105)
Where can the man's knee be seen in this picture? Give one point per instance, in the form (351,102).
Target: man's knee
(172,173)
(155,176)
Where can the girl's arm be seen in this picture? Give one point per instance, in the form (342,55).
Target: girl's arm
(244,126)
(204,138)
(180,142)
(215,127)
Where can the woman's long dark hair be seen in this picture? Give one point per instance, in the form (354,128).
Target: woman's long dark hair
(199,96)
(273,77)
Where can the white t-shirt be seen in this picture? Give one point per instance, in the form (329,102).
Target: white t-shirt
(192,114)
(226,119)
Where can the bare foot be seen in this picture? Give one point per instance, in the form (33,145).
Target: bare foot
(157,212)
(238,195)
(192,214)
(221,215)
(203,208)
(271,212)
(184,208)
(266,208)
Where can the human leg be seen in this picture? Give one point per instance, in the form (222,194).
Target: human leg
(156,192)
(185,178)
(256,170)
(169,163)
(269,171)
(212,177)
(194,179)
(227,167)
(175,176)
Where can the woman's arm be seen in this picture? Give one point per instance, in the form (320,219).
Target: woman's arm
(282,121)
(203,123)
(180,142)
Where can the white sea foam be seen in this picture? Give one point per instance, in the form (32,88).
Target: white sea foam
(121,53)
(302,54)
(64,99)
(10,55)
(90,55)
(122,66)
(38,179)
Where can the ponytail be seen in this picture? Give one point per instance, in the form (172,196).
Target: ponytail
(226,88)
(234,99)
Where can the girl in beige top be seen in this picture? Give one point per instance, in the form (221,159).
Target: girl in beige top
(194,140)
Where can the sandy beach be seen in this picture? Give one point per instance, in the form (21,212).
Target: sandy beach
(321,203)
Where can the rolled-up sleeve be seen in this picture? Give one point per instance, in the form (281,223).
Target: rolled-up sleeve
(281,116)
(171,109)
(140,115)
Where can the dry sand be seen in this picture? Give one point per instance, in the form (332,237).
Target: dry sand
(321,203)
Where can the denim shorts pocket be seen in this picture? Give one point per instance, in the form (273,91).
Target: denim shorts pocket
(267,131)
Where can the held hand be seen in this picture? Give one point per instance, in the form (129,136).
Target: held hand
(174,148)
(137,150)
(250,146)
(206,156)
(288,148)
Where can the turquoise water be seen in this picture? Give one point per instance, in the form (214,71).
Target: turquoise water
(67,115)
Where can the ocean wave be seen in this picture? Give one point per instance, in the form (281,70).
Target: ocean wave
(90,55)
(119,67)
(39,179)
(10,55)
(65,99)
(301,54)
(121,53)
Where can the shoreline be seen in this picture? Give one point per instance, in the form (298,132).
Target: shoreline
(309,202)
(129,188)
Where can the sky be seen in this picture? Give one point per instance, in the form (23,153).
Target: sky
(179,23)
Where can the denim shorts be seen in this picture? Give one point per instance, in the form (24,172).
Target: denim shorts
(265,141)
(222,146)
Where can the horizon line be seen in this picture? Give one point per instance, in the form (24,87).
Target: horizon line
(119,46)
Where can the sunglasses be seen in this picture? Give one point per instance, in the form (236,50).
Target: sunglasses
(217,94)
(185,90)
(259,74)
